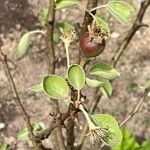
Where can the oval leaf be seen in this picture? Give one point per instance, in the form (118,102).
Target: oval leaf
(106,88)
(56,87)
(76,76)
(93,83)
(105,71)
(60,4)
(23,45)
(122,11)
(108,122)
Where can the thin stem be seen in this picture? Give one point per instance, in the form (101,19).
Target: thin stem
(67,53)
(37,31)
(78,96)
(136,109)
(59,139)
(98,7)
(83,61)
(85,9)
(90,123)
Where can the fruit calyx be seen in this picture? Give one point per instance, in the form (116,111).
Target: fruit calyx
(97,33)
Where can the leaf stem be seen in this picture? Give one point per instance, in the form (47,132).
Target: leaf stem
(83,61)
(67,53)
(90,123)
(78,96)
(37,31)
(98,7)
(85,9)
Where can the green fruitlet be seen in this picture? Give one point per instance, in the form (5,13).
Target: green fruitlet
(91,47)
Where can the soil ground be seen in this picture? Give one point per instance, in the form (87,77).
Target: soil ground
(19,16)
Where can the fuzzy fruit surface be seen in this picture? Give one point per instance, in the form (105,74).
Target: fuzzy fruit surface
(89,47)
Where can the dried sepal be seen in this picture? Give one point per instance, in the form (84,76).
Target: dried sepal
(97,34)
(68,36)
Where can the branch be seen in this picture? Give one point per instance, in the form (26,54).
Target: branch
(37,146)
(71,122)
(87,21)
(57,122)
(136,25)
(54,124)
(87,17)
(136,108)
(51,55)
(70,134)
(49,37)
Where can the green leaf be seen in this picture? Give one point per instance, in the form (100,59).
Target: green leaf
(132,87)
(104,70)
(56,37)
(128,142)
(93,83)
(103,25)
(145,145)
(22,133)
(122,11)
(76,76)
(64,26)
(110,124)
(42,125)
(56,87)
(106,88)
(37,88)
(60,4)
(30,144)
(23,45)
(39,126)
(43,17)
(147,84)
(4,146)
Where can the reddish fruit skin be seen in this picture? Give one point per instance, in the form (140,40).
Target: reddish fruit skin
(89,47)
